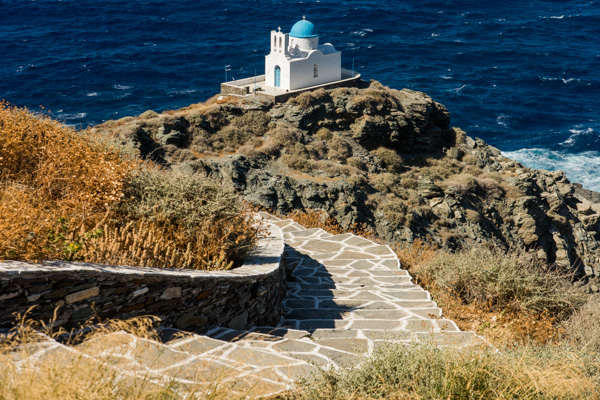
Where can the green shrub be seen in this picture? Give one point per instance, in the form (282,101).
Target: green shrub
(424,371)
(324,134)
(504,281)
(339,149)
(177,198)
(392,161)
(285,136)
(298,163)
(149,114)
(396,212)
(306,99)
(583,327)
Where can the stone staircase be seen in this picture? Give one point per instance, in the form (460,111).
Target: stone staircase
(346,296)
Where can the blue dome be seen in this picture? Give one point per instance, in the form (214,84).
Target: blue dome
(303,29)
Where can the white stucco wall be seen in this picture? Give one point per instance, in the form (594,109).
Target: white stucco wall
(306,44)
(273,60)
(302,70)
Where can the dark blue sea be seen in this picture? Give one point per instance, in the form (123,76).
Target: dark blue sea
(522,75)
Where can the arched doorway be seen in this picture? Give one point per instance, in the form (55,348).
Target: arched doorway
(277,76)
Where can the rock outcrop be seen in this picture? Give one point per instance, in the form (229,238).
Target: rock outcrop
(383,157)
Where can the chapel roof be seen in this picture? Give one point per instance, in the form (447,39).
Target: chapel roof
(303,29)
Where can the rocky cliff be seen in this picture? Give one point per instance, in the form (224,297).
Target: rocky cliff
(387,158)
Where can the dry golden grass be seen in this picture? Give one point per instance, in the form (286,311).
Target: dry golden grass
(501,296)
(419,252)
(306,99)
(47,172)
(148,244)
(426,371)
(68,195)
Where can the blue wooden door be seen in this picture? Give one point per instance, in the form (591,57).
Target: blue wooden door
(277,76)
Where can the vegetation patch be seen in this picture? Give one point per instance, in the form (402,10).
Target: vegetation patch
(426,371)
(69,195)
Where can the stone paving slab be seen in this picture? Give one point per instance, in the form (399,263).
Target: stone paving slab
(347,296)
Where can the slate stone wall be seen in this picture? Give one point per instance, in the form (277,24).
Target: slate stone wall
(234,90)
(185,299)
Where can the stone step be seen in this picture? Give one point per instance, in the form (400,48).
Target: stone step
(306,234)
(386,325)
(350,313)
(305,276)
(297,344)
(416,293)
(203,360)
(357,304)
(288,225)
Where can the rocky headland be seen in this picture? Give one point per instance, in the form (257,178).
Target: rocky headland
(386,158)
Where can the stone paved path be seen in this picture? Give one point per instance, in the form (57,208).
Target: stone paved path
(347,295)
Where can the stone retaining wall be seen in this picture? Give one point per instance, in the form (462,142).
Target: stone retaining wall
(186,299)
(281,98)
(228,89)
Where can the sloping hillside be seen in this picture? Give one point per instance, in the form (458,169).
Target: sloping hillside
(384,157)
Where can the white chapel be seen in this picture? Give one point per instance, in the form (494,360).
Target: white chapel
(297,60)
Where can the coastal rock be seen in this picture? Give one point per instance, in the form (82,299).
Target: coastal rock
(382,157)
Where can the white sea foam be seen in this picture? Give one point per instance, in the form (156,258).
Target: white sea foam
(68,117)
(459,90)
(185,91)
(92,94)
(361,33)
(582,167)
(502,120)
(576,133)
(565,81)
(122,87)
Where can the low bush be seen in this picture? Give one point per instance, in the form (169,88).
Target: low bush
(285,136)
(501,281)
(339,149)
(506,297)
(426,371)
(392,161)
(176,219)
(397,213)
(306,99)
(583,327)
